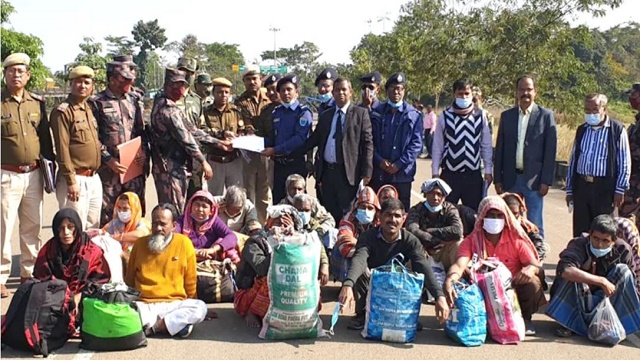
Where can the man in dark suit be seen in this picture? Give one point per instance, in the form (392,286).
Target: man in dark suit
(525,156)
(345,151)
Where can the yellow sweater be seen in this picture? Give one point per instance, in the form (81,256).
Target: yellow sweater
(168,276)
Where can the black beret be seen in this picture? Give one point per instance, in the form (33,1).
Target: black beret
(326,74)
(289,78)
(372,77)
(396,79)
(271,79)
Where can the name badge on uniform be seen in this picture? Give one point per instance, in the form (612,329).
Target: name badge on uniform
(109,110)
(34,115)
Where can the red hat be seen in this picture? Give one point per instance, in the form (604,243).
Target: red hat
(369,197)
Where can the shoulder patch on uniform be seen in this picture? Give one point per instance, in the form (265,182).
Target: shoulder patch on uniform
(63,106)
(36,96)
(303,121)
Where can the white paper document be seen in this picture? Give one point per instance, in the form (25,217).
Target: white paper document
(249,143)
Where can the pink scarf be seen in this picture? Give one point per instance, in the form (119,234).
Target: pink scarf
(188,222)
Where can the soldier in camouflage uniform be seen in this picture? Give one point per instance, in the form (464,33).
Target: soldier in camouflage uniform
(173,145)
(204,89)
(224,121)
(119,116)
(133,68)
(631,203)
(256,171)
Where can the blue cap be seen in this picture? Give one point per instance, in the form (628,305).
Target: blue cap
(372,77)
(289,78)
(326,74)
(396,79)
(271,79)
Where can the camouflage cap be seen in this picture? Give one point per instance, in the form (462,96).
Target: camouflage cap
(188,64)
(81,71)
(16,59)
(120,68)
(203,79)
(174,75)
(125,59)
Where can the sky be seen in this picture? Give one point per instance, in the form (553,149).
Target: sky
(335,26)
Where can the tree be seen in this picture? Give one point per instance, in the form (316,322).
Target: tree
(90,56)
(302,59)
(148,37)
(13,41)
(119,45)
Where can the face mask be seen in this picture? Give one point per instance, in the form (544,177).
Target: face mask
(464,103)
(599,252)
(432,208)
(288,104)
(395,105)
(124,216)
(199,221)
(369,92)
(493,226)
(306,217)
(325,97)
(176,93)
(364,216)
(592,119)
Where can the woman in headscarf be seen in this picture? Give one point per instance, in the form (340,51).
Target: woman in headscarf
(70,256)
(127,224)
(516,204)
(252,298)
(211,237)
(387,192)
(498,234)
(363,216)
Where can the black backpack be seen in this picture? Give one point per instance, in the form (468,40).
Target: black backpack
(40,317)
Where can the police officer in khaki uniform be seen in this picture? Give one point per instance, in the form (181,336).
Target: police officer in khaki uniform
(25,137)
(256,171)
(223,120)
(79,151)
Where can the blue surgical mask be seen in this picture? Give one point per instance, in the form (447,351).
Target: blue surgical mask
(306,217)
(592,119)
(432,209)
(288,104)
(199,221)
(364,216)
(395,105)
(463,103)
(599,252)
(324,97)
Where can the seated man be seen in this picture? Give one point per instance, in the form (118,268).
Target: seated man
(365,215)
(436,223)
(387,192)
(211,238)
(375,248)
(519,210)
(593,267)
(236,211)
(162,267)
(303,204)
(252,298)
(498,234)
(327,231)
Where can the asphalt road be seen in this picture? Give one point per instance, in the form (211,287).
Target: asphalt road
(228,338)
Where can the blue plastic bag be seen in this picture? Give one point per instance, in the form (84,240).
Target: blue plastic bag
(467,322)
(393,303)
(339,265)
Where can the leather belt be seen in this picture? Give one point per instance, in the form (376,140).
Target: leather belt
(223,159)
(331,166)
(589,179)
(85,172)
(519,172)
(21,169)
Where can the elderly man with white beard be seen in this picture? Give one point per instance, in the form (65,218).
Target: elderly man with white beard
(162,267)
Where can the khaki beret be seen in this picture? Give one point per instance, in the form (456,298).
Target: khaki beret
(221,82)
(251,70)
(16,59)
(81,71)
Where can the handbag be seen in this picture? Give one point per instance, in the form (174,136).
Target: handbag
(216,281)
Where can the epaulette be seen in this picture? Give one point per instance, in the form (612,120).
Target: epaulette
(36,96)
(63,106)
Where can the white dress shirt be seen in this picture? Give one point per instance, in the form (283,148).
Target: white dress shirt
(330,148)
(523,122)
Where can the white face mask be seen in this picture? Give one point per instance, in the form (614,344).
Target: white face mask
(493,226)
(124,216)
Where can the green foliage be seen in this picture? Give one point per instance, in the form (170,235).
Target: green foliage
(90,56)
(147,36)
(119,45)
(14,41)
(301,59)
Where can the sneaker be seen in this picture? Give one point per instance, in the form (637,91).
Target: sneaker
(356,323)
(184,333)
(530,330)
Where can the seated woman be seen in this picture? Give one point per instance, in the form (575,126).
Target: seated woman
(127,224)
(252,298)
(591,268)
(387,192)
(519,210)
(362,217)
(212,239)
(628,232)
(498,234)
(236,211)
(71,256)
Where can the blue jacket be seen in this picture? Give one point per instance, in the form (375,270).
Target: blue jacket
(291,128)
(399,142)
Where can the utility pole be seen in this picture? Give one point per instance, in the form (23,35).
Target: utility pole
(275,51)
(384,20)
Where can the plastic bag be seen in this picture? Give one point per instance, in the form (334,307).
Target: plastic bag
(605,327)
(467,321)
(393,303)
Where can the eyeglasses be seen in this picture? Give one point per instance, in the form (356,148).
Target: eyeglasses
(18,71)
